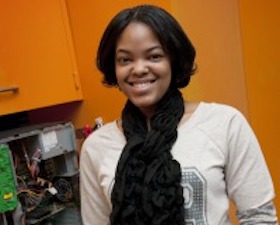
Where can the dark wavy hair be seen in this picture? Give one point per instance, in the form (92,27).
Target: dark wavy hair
(169,32)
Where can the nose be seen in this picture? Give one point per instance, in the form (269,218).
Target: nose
(140,67)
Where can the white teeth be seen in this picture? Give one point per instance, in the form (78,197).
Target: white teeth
(141,84)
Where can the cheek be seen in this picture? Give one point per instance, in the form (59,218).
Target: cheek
(119,74)
(167,73)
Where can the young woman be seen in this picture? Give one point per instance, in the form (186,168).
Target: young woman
(166,161)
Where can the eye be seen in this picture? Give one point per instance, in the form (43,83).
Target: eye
(155,57)
(123,60)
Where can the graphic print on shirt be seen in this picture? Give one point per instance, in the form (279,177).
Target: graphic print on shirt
(194,186)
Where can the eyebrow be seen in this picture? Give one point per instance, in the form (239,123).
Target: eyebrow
(148,50)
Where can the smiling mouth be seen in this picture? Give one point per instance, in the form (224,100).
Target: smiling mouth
(141,84)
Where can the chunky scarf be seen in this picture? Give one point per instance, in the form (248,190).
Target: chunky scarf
(147,188)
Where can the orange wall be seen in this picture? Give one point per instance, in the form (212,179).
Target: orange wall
(260,36)
(214,29)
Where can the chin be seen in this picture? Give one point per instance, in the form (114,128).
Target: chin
(147,103)
(143,104)
(146,108)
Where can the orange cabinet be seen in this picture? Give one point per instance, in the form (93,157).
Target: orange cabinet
(37,60)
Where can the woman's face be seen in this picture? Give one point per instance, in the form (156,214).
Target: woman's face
(143,69)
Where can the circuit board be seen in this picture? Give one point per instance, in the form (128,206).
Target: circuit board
(8,194)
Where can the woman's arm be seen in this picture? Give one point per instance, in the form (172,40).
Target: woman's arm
(248,180)
(94,207)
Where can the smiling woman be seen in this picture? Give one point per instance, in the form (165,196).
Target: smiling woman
(167,161)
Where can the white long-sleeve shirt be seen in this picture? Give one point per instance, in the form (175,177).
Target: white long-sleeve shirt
(220,159)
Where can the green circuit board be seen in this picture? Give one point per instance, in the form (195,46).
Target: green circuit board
(8,194)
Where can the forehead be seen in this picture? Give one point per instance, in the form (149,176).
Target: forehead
(137,34)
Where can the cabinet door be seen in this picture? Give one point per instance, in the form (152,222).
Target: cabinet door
(37,60)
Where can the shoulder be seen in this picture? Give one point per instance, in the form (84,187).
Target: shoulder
(107,133)
(218,113)
(215,120)
(103,139)
(218,124)
(219,108)
(204,113)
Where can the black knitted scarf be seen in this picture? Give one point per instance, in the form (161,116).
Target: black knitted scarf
(147,188)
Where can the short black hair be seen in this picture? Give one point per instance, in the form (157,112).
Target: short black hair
(169,32)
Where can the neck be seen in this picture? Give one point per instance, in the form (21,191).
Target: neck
(148,112)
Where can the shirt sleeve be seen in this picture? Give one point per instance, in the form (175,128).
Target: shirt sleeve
(94,207)
(249,184)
